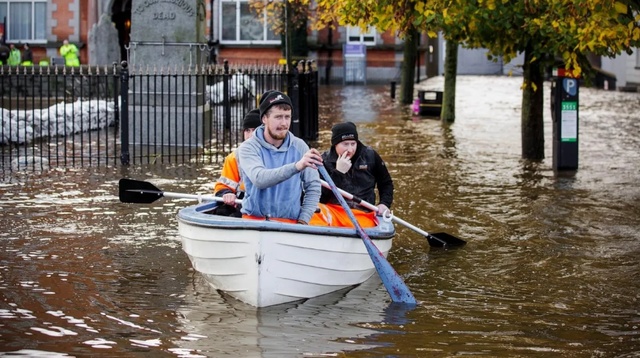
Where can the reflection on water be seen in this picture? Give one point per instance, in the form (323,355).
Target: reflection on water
(337,322)
(550,269)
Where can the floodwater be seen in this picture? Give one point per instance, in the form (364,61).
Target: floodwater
(551,268)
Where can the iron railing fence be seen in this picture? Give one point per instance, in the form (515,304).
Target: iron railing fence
(60,117)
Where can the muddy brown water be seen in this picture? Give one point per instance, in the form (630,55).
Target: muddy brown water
(551,267)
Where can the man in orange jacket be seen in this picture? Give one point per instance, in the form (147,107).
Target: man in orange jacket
(229,186)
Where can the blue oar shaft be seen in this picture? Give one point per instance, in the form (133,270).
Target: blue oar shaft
(397,289)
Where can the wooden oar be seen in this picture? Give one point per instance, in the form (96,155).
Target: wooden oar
(142,192)
(397,289)
(439,239)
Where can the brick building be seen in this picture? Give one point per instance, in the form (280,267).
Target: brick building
(240,36)
(45,24)
(236,34)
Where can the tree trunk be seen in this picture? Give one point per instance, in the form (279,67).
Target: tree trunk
(409,66)
(450,72)
(298,43)
(532,109)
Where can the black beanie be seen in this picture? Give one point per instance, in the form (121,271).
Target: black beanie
(252,119)
(343,131)
(272,98)
(264,95)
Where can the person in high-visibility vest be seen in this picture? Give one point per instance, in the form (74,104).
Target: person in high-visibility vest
(14,56)
(356,169)
(70,54)
(27,58)
(229,186)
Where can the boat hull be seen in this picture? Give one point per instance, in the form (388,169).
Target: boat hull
(265,263)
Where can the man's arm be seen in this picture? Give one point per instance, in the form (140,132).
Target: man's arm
(253,167)
(229,180)
(310,179)
(312,188)
(383,181)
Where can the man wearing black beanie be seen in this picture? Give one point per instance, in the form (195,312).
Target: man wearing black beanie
(277,166)
(356,169)
(229,186)
(273,98)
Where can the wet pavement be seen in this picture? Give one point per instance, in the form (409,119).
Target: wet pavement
(550,269)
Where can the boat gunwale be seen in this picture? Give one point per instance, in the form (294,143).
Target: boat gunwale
(195,215)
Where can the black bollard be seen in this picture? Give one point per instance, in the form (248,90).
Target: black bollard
(393,89)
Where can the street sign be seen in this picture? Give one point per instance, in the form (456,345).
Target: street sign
(355,50)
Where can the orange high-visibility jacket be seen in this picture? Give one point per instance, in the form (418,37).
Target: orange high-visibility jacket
(229,180)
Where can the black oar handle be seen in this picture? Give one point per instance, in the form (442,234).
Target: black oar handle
(356,199)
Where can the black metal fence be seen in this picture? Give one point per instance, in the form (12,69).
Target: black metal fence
(58,116)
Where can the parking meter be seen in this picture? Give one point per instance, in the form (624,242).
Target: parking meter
(564,114)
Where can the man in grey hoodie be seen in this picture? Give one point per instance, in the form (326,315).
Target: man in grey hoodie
(276,166)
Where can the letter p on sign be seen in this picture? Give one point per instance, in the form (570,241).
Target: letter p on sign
(570,86)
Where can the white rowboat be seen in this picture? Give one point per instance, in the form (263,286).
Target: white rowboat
(266,263)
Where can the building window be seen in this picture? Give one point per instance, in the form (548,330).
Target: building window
(26,20)
(240,24)
(638,57)
(355,35)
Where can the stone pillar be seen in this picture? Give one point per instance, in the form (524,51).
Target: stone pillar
(167,36)
(161,31)
(104,49)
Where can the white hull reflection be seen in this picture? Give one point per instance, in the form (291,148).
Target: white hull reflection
(215,324)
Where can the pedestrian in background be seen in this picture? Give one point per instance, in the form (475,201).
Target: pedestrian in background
(27,56)
(14,56)
(70,54)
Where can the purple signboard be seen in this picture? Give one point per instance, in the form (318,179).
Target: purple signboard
(355,50)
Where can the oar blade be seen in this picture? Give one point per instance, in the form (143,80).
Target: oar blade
(137,191)
(393,283)
(442,239)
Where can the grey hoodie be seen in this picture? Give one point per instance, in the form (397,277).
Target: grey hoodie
(273,184)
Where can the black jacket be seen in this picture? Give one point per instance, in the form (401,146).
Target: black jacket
(367,170)
(27,55)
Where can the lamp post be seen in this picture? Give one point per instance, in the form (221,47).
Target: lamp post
(286,33)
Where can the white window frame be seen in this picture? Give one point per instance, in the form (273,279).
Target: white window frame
(264,41)
(9,37)
(638,57)
(354,31)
